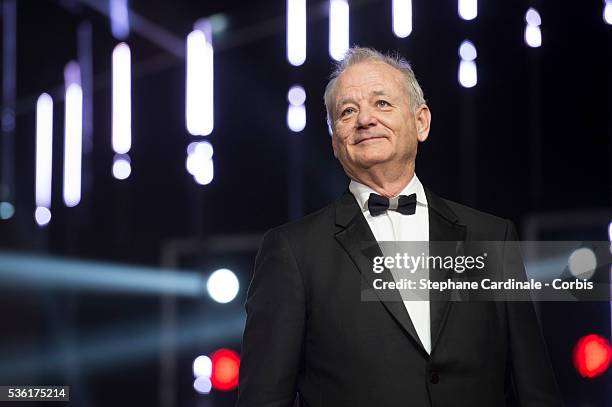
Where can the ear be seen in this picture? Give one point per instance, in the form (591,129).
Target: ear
(423,122)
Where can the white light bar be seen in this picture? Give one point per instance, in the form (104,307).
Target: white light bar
(122,99)
(296,32)
(468,9)
(199,104)
(120,19)
(338,28)
(402,18)
(607,12)
(73,135)
(44,152)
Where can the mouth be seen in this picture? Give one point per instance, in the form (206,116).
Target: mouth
(368,140)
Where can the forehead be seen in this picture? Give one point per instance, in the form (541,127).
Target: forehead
(369,76)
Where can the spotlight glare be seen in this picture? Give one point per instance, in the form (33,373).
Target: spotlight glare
(226,366)
(202,366)
(532,17)
(592,356)
(206,174)
(402,18)
(73,135)
(44,150)
(120,19)
(582,263)
(338,28)
(223,286)
(468,73)
(296,95)
(296,118)
(121,166)
(533,34)
(202,385)
(296,32)
(122,99)
(199,114)
(468,9)
(467,51)
(42,215)
(7,210)
(607,12)
(199,162)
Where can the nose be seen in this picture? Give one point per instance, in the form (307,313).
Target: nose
(365,118)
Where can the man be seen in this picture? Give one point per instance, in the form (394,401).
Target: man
(308,331)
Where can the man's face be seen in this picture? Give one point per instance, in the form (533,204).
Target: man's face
(372,120)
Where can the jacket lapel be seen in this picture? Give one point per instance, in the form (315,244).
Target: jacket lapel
(444,226)
(355,236)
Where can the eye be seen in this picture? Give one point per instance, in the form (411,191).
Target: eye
(347,111)
(382,103)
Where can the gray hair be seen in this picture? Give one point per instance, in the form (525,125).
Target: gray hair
(356,55)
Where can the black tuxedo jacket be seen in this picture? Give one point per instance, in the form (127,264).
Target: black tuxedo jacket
(308,332)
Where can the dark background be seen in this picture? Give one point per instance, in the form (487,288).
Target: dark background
(531,142)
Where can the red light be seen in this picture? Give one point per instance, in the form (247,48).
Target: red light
(592,355)
(225,366)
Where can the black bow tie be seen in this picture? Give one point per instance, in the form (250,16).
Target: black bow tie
(406,204)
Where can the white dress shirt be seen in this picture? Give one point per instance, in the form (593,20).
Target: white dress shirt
(392,226)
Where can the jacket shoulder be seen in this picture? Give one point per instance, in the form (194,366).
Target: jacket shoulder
(479,221)
(316,221)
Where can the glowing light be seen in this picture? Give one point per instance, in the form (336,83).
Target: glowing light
(226,365)
(199,162)
(296,95)
(607,12)
(53,273)
(199,112)
(610,231)
(582,263)
(296,112)
(122,167)
(202,366)
(532,17)
(468,72)
(202,385)
(338,28)
(73,135)
(120,19)
(592,356)
(122,99)
(7,210)
(42,216)
(402,18)
(296,118)
(533,34)
(207,174)
(468,9)
(223,286)
(44,150)
(296,32)
(467,51)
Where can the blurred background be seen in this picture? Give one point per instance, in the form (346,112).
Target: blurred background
(146,146)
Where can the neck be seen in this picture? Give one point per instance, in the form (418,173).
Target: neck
(386,182)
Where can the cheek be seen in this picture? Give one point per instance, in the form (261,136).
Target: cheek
(341,135)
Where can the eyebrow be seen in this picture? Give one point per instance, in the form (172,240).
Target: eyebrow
(351,100)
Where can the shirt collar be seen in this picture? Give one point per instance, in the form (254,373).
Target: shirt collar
(362,192)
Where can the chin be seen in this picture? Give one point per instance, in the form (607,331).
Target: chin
(373,159)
